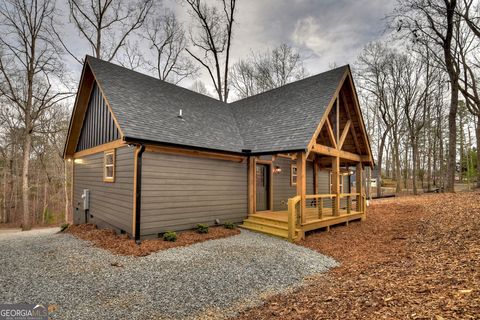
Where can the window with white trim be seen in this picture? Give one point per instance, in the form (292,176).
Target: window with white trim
(293,174)
(109,166)
(341,182)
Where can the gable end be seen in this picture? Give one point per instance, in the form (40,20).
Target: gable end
(98,126)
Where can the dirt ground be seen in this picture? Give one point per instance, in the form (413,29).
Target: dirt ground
(416,257)
(121,244)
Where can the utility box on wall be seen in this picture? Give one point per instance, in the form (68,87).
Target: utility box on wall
(86,199)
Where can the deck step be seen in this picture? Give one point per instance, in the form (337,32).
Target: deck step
(277,228)
(267,220)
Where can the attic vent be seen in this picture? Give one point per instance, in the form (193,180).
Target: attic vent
(180,115)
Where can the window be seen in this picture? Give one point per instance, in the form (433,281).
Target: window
(293,175)
(109,166)
(340,180)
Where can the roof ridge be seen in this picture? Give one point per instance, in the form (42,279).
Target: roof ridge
(155,78)
(291,83)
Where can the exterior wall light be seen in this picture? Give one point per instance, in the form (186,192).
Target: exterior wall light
(277,169)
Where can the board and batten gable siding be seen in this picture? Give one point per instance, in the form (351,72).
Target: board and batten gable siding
(282,188)
(110,202)
(179,192)
(98,126)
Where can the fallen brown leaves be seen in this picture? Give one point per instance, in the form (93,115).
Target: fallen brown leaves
(415,257)
(121,244)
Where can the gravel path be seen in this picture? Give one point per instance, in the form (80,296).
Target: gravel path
(210,279)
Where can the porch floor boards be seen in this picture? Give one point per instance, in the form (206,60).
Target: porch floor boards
(276,222)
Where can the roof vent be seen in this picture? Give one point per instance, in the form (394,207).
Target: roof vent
(180,115)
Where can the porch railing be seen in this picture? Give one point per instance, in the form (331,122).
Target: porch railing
(295,214)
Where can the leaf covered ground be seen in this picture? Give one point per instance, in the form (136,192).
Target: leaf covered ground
(123,245)
(415,257)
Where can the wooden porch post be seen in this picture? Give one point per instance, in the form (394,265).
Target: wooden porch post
(336,185)
(251,185)
(359,189)
(302,183)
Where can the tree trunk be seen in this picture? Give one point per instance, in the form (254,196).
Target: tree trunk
(452,139)
(26,223)
(45,200)
(398,174)
(414,165)
(462,158)
(379,166)
(3,218)
(478,151)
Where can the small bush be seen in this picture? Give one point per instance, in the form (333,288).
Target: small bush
(229,225)
(201,228)
(64,227)
(170,236)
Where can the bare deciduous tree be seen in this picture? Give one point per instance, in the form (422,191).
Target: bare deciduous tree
(212,42)
(30,72)
(199,86)
(432,23)
(166,38)
(106,25)
(260,73)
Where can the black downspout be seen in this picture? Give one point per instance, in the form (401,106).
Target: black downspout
(138,195)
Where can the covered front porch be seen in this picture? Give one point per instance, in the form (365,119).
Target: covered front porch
(323,185)
(305,212)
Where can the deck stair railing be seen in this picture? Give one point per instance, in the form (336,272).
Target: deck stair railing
(293,216)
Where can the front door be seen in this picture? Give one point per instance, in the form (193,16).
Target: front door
(263,187)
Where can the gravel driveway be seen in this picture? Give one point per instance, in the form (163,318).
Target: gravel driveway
(209,279)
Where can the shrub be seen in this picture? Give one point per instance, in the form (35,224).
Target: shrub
(64,227)
(229,225)
(170,236)
(201,228)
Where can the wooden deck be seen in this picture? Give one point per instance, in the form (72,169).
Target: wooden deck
(276,222)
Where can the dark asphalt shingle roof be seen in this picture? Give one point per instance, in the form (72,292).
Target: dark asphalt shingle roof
(283,119)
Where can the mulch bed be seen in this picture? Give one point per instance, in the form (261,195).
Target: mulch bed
(416,257)
(123,245)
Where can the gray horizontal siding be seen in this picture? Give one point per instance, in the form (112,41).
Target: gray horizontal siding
(109,202)
(324,187)
(179,192)
(282,190)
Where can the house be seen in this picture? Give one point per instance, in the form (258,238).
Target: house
(149,156)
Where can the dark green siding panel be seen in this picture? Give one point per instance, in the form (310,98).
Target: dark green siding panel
(179,192)
(111,203)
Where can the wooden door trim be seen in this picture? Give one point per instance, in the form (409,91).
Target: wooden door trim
(269,164)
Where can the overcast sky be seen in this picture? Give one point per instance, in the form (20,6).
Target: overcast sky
(325,32)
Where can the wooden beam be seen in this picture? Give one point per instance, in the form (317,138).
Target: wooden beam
(101,148)
(344,134)
(327,110)
(358,186)
(134,208)
(336,185)
(331,135)
(195,153)
(352,127)
(107,102)
(328,151)
(251,184)
(302,183)
(337,120)
(362,124)
(79,110)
